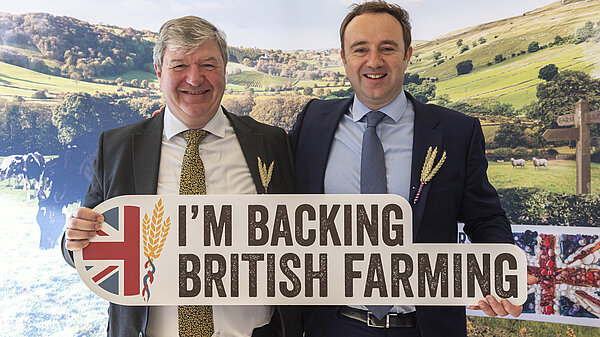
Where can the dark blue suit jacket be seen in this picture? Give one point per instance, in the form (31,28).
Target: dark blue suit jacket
(460,191)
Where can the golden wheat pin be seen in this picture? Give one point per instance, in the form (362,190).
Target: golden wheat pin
(265,174)
(154,234)
(429,170)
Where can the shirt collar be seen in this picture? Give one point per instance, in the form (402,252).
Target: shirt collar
(215,126)
(395,110)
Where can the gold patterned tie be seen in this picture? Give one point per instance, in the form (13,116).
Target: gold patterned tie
(194,320)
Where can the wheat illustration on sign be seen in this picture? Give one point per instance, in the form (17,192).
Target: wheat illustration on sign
(265,174)
(429,170)
(154,234)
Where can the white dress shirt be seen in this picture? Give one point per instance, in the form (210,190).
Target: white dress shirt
(226,173)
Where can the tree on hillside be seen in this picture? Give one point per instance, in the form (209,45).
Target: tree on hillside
(499,58)
(464,67)
(466,108)
(548,72)
(558,97)
(82,117)
(423,93)
(584,33)
(280,110)
(437,55)
(240,105)
(27,128)
(412,78)
(464,49)
(40,94)
(533,47)
(510,135)
(494,107)
(459,42)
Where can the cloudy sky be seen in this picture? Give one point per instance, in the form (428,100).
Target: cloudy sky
(277,24)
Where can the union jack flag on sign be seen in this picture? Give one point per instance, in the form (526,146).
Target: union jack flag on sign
(113,261)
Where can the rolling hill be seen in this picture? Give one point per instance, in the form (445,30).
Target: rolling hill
(514,79)
(57,60)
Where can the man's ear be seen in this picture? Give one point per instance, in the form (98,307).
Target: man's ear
(342,56)
(408,54)
(158,74)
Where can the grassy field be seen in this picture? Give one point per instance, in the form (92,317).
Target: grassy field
(24,82)
(513,80)
(257,80)
(130,75)
(559,177)
(40,295)
(495,327)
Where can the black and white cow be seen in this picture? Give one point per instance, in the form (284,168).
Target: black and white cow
(13,167)
(32,172)
(68,176)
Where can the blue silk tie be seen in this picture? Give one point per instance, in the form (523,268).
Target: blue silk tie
(372,161)
(372,176)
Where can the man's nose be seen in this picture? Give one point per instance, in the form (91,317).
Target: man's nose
(194,76)
(374,59)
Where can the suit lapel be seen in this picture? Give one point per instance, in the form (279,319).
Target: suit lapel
(322,131)
(425,136)
(146,146)
(253,146)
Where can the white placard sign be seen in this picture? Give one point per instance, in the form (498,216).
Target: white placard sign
(286,249)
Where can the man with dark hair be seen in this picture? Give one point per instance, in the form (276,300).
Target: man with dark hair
(377,142)
(193,146)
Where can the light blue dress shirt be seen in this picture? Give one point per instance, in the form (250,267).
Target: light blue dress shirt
(342,174)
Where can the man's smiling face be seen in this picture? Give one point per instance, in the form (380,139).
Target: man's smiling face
(193,83)
(375,58)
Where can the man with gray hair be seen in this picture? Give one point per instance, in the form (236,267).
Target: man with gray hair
(193,146)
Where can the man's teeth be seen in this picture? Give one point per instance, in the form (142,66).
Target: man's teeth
(195,92)
(374,76)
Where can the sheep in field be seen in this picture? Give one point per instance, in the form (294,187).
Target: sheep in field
(517,162)
(538,163)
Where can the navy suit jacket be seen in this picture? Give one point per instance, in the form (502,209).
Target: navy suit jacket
(460,191)
(127,163)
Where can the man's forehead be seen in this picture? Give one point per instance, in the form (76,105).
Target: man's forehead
(200,52)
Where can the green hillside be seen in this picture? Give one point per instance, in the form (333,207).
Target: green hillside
(513,80)
(24,82)
(257,79)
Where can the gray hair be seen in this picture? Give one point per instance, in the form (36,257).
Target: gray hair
(185,35)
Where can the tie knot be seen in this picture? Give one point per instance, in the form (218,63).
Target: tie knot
(194,136)
(374,117)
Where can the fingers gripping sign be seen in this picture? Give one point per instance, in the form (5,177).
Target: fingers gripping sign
(82,225)
(491,307)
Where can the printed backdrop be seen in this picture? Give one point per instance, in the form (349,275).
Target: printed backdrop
(71,69)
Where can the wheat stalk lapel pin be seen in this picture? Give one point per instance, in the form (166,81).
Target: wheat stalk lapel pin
(429,170)
(265,173)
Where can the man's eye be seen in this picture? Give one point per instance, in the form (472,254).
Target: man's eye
(360,51)
(178,66)
(208,66)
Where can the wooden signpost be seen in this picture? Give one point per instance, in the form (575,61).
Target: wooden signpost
(582,119)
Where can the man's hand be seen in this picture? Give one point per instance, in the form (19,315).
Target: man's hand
(81,227)
(493,308)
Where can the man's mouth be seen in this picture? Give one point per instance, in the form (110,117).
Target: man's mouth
(375,76)
(194,92)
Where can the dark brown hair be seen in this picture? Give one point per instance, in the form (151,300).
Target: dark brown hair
(379,7)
